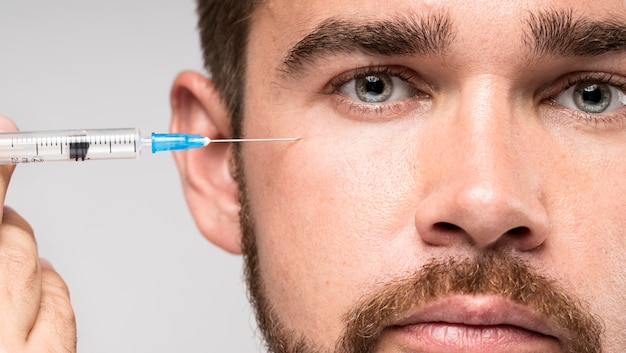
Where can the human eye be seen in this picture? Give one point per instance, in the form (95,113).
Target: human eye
(376,86)
(377,91)
(593,94)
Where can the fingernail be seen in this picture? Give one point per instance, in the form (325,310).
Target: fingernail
(45,264)
(7,124)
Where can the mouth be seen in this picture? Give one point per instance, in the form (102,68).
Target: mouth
(463,323)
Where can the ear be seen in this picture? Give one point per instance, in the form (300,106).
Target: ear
(209,187)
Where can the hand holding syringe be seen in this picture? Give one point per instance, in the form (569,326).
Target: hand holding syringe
(81,145)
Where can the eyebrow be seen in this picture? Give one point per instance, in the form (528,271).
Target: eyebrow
(550,33)
(411,35)
(558,33)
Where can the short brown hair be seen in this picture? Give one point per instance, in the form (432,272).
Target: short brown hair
(224,26)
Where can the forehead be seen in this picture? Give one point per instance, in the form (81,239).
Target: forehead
(308,13)
(479,24)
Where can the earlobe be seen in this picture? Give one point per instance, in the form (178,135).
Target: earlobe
(209,187)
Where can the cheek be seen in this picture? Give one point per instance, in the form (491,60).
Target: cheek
(587,247)
(328,215)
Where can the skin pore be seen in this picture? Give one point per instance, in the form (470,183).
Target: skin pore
(455,188)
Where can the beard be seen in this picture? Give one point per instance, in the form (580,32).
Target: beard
(490,273)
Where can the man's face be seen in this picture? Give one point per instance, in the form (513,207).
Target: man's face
(460,182)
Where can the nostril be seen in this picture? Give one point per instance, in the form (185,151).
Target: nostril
(519,232)
(445,226)
(446,232)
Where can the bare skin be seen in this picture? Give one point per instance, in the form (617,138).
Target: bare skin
(34,301)
(481,144)
(481,148)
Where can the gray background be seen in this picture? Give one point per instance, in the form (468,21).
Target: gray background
(142,278)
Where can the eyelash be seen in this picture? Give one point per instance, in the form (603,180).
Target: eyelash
(385,110)
(601,78)
(604,78)
(400,72)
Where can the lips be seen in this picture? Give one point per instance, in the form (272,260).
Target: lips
(462,323)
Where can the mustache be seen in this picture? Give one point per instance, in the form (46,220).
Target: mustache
(493,273)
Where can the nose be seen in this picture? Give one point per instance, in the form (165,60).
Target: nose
(482,189)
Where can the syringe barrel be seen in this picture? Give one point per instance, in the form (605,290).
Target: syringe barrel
(69,145)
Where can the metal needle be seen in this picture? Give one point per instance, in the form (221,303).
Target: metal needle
(257,140)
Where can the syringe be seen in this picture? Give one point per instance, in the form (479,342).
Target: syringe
(82,145)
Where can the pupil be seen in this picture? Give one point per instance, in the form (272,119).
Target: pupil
(374,84)
(374,88)
(592,97)
(592,94)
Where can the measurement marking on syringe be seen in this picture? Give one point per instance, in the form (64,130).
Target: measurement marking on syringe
(77,145)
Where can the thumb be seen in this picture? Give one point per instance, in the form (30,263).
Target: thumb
(6,171)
